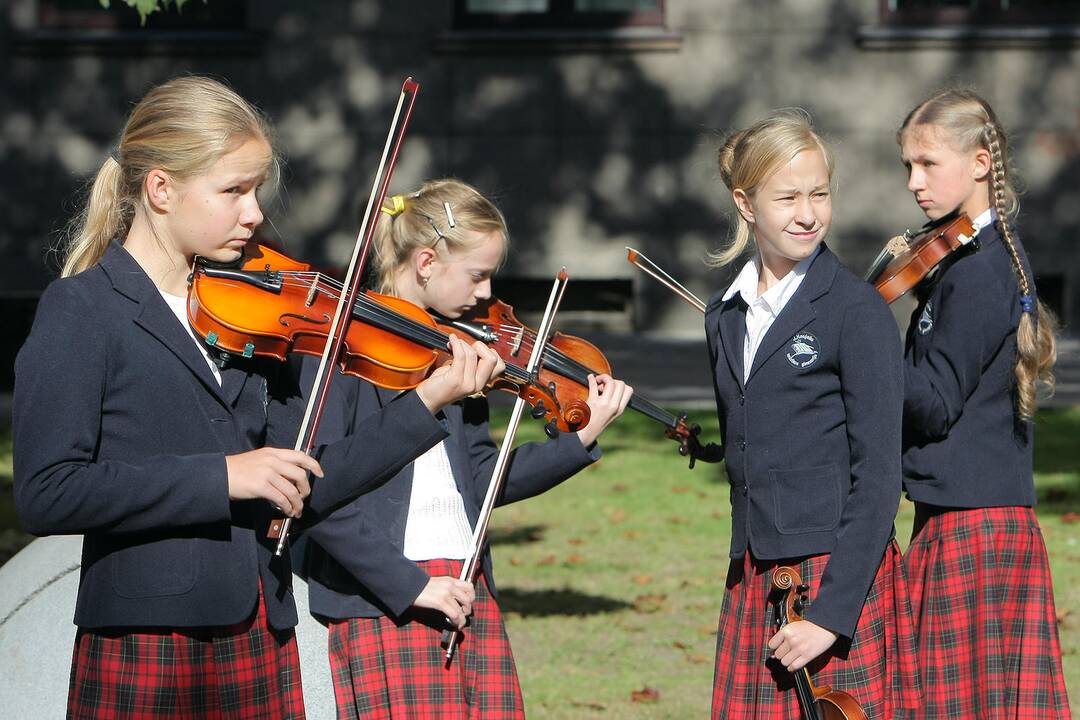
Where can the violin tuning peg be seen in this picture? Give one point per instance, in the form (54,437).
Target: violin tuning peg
(802,588)
(538,410)
(551,429)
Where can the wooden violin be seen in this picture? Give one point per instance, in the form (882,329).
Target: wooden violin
(270,305)
(565,367)
(907,259)
(816,702)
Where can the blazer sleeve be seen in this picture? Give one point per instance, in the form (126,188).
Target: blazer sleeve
(370,556)
(970,326)
(870,379)
(533,467)
(61,485)
(373,449)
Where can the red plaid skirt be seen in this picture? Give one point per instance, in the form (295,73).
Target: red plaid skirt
(984,610)
(246,671)
(390,671)
(878,668)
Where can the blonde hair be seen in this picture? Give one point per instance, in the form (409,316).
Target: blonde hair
(749,157)
(968,122)
(182,127)
(420,219)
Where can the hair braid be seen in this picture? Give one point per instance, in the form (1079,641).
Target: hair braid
(1035,343)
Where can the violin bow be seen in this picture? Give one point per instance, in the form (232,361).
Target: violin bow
(335,340)
(498,474)
(650,268)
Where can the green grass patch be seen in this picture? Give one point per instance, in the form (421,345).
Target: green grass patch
(612,582)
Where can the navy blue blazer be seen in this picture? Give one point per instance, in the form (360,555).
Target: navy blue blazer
(963,445)
(353,560)
(121,433)
(812,439)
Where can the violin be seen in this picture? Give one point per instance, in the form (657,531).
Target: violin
(907,259)
(815,702)
(268,304)
(565,367)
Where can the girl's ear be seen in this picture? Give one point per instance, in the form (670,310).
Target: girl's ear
(161,192)
(981,164)
(742,202)
(423,261)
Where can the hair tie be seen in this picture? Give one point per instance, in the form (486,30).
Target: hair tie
(1027,304)
(398,201)
(114,153)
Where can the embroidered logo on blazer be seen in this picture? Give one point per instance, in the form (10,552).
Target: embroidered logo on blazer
(803,350)
(926,320)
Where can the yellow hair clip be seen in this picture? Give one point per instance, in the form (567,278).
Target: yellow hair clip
(398,202)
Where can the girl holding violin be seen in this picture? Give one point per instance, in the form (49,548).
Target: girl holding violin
(978,341)
(807,375)
(170,464)
(384,570)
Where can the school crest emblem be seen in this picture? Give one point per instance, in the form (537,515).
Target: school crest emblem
(803,350)
(926,320)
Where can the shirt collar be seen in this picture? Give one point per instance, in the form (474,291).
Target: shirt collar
(984,219)
(776,297)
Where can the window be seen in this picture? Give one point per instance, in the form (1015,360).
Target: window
(979,12)
(557,14)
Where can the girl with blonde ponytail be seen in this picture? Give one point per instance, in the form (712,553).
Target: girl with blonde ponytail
(170,462)
(978,343)
(806,369)
(385,569)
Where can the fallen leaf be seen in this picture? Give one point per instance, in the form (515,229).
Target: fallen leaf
(574,541)
(631,534)
(692,582)
(680,645)
(1062,617)
(515,561)
(645,695)
(641,579)
(698,659)
(677,520)
(546,560)
(1070,517)
(588,705)
(680,489)
(618,487)
(617,515)
(649,603)
(707,629)
(702,494)
(572,559)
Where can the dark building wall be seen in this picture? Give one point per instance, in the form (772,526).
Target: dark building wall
(586,151)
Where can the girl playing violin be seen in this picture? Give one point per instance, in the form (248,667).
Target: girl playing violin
(384,570)
(806,369)
(170,464)
(977,343)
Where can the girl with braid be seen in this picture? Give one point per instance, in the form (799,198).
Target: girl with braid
(978,342)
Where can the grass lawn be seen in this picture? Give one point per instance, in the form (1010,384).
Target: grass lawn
(612,582)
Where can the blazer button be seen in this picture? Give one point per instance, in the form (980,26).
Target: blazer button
(745,489)
(742,399)
(742,444)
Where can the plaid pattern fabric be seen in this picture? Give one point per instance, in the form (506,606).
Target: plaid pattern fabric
(391,671)
(246,671)
(984,609)
(878,667)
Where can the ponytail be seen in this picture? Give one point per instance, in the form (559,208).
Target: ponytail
(104,218)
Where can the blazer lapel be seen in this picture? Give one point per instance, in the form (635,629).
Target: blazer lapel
(732,335)
(154,316)
(799,311)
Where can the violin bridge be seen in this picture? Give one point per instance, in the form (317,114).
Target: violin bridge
(313,291)
(515,346)
(897,245)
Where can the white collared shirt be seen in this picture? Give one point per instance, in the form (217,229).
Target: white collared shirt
(437,525)
(984,219)
(762,310)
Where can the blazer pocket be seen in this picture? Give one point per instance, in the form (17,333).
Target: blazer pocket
(155,569)
(806,500)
